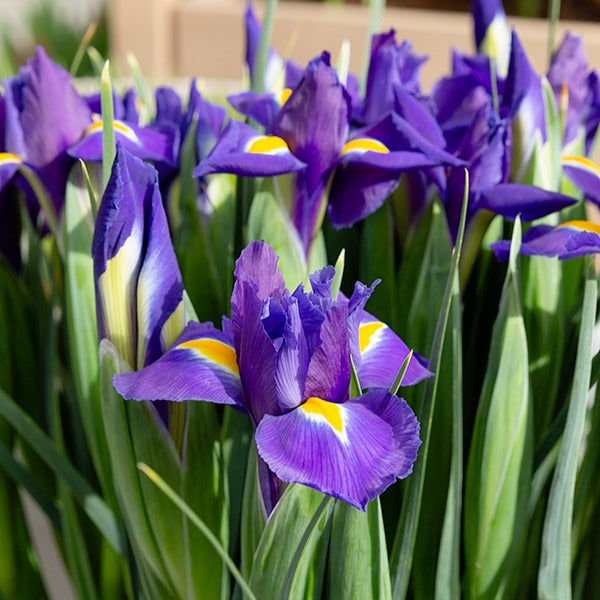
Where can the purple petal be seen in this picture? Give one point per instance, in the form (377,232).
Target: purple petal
(143,142)
(292,360)
(569,71)
(523,95)
(351,451)
(257,279)
(569,240)
(257,356)
(315,120)
(382,356)
(242,151)
(391,65)
(52,114)
(9,165)
(263,108)
(201,365)
(328,375)
(511,199)
(257,264)
(358,190)
(585,174)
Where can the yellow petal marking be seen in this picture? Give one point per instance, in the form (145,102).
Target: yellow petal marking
(366,332)
(266,144)
(215,351)
(284,95)
(117,125)
(364,145)
(583,225)
(7,158)
(330,411)
(581,161)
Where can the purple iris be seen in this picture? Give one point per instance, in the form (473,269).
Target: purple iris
(286,360)
(308,131)
(568,240)
(139,289)
(391,65)
(573,86)
(44,115)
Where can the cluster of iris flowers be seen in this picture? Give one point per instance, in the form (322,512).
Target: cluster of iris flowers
(141,222)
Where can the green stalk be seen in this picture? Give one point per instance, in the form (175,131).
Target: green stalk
(260,64)
(375,11)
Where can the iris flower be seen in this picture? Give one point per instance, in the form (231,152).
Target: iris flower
(43,116)
(574,89)
(570,239)
(310,134)
(139,289)
(492,36)
(285,359)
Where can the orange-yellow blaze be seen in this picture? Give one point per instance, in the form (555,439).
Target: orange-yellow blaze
(364,145)
(366,332)
(118,126)
(266,144)
(284,95)
(7,157)
(215,351)
(584,225)
(582,161)
(328,410)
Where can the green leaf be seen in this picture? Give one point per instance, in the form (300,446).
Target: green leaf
(205,489)
(500,458)
(108,131)
(143,90)
(203,240)
(80,309)
(358,561)
(404,541)
(96,59)
(153,445)
(253,518)
(95,508)
(124,469)
(23,478)
(260,62)
(282,536)
(377,260)
(447,580)
(554,579)
(267,221)
(199,524)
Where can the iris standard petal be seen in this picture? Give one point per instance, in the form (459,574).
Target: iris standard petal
(328,375)
(568,76)
(143,142)
(210,119)
(351,451)
(263,108)
(315,119)
(292,359)
(241,150)
(531,202)
(201,365)
(585,174)
(391,66)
